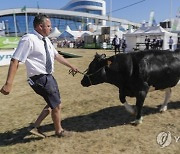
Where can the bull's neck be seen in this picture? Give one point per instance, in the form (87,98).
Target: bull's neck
(111,77)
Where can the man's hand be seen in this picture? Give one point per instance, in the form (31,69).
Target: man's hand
(73,71)
(10,77)
(6,89)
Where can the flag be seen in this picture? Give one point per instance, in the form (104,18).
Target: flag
(38,5)
(129,26)
(154,23)
(151,18)
(23,9)
(178,13)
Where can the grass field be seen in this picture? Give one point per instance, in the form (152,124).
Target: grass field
(98,121)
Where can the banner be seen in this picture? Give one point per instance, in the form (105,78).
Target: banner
(9,42)
(5,57)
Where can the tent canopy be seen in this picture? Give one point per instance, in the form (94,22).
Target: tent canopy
(55,33)
(154,32)
(70,35)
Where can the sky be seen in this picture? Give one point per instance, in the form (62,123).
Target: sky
(138,10)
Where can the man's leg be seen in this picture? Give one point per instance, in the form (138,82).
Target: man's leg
(56,117)
(115,49)
(119,48)
(45,112)
(35,128)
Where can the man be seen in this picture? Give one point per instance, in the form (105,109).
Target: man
(124,44)
(147,42)
(38,54)
(116,43)
(170,43)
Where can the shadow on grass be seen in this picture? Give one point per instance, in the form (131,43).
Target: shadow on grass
(16,136)
(102,119)
(108,117)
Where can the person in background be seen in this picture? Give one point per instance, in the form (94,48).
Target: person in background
(147,42)
(116,43)
(38,54)
(170,43)
(124,44)
(160,44)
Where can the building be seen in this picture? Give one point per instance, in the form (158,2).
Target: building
(97,7)
(77,14)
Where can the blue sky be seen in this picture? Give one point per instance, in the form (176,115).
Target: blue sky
(135,13)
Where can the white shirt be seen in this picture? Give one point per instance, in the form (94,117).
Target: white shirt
(117,42)
(170,41)
(31,51)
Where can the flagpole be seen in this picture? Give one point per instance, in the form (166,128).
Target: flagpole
(110,16)
(38,6)
(26,21)
(171,15)
(15,26)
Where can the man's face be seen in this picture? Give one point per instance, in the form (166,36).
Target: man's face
(45,27)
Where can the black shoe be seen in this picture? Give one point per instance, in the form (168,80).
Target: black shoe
(63,133)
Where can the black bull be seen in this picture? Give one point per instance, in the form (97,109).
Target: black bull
(135,74)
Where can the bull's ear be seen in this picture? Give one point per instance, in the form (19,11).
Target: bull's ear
(97,55)
(103,56)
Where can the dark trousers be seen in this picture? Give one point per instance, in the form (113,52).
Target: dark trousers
(117,48)
(46,86)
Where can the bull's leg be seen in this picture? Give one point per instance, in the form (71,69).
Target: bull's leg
(139,104)
(166,100)
(128,107)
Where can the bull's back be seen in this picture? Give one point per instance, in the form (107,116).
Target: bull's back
(161,69)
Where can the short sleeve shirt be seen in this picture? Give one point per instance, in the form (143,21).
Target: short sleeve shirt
(170,41)
(117,41)
(31,51)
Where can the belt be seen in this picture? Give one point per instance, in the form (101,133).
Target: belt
(35,77)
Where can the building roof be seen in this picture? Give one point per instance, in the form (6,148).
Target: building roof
(66,13)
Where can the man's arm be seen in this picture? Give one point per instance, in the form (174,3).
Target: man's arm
(63,61)
(10,77)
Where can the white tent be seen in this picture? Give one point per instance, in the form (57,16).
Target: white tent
(71,35)
(139,35)
(119,33)
(140,30)
(54,33)
(129,31)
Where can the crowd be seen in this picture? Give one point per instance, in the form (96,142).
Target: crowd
(156,43)
(119,44)
(68,44)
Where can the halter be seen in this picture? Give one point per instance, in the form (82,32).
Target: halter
(85,73)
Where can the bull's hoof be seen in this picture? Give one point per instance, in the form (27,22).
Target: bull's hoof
(137,121)
(163,108)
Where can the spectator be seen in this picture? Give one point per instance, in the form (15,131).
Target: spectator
(170,43)
(116,43)
(160,44)
(153,44)
(124,45)
(147,42)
